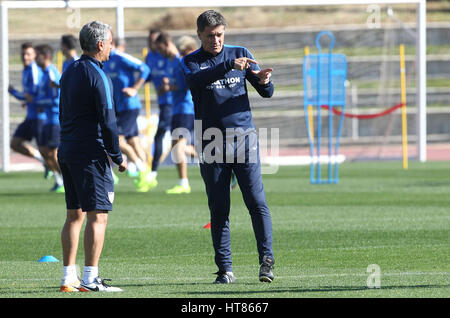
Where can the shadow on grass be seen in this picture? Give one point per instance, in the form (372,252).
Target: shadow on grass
(312,289)
(9,291)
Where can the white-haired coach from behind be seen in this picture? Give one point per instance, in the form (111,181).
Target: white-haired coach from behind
(88,137)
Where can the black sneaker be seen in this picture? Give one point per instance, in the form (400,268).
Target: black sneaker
(265,271)
(224,278)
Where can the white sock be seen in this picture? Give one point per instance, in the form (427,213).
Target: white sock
(89,274)
(131,167)
(184,182)
(140,165)
(58,178)
(37,155)
(69,274)
(152,175)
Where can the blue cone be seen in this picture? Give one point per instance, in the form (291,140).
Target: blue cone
(47,259)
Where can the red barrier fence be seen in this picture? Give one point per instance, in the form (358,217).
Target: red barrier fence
(365,116)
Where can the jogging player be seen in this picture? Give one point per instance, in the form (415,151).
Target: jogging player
(47,100)
(69,50)
(31,127)
(121,68)
(158,75)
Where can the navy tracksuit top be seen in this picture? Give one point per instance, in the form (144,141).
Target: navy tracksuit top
(219,92)
(87,113)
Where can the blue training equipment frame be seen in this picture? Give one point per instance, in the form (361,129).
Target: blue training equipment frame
(324,77)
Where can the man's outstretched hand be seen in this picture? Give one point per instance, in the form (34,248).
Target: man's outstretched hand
(243,63)
(263,75)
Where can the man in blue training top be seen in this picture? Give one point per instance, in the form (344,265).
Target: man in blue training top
(182,106)
(121,68)
(47,100)
(217,74)
(89,137)
(158,75)
(69,50)
(31,128)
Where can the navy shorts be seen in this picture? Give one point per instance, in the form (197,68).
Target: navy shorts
(29,129)
(183,127)
(183,121)
(89,185)
(127,123)
(50,136)
(165,117)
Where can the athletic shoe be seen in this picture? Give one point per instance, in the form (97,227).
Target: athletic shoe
(133,174)
(145,186)
(179,189)
(143,178)
(58,189)
(115,178)
(70,287)
(224,278)
(234,182)
(265,271)
(47,172)
(98,285)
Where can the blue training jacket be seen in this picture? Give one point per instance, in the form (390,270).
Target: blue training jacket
(219,91)
(47,97)
(158,69)
(87,115)
(182,99)
(31,77)
(68,62)
(121,68)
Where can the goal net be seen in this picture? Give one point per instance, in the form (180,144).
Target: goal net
(369,35)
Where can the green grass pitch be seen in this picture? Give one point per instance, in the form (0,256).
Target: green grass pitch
(325,236)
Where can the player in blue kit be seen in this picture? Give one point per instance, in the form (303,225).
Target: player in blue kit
(121,68)
(182,106)
(89,139)
(69,50)
(217,75)
(158,75)
(47,100)
(31,127)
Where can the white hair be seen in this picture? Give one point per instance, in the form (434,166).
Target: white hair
(93,33)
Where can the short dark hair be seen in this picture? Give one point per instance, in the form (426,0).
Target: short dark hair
(154,30)
(163,37)
(69,41)
(210,18)
(26,45)
(44,49)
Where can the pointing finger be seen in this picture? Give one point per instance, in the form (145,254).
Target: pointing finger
(252,61)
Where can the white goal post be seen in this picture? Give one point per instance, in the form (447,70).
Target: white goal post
(120,5)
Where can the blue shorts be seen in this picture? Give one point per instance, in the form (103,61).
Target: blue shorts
(89,185)
(183,126)
(50,136)
(127,123)
(29,129)
(165,117)
(183,121)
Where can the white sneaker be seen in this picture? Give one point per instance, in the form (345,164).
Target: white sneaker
(98,285)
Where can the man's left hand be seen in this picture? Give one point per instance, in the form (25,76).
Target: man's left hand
(263,75)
